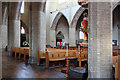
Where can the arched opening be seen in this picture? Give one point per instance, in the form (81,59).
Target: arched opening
(75,27)
(24,31)
(79,34)
(116,27)
(60,23)
(59,37)
(62,30)
(24,21)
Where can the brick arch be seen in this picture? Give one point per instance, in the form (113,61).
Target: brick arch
(56,19)
(115,5)
(76,16)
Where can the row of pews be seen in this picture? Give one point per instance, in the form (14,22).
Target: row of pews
(59,55)
(54,55)
(116,63)
(20,51)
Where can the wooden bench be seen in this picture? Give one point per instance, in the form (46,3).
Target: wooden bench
(16,50)
(24,51)
(12,51)
(40,55)
(73,48)
(58,56)
(82,56)
(116,52)
(54,56)
(114,59)
(117,70)
(20,51)
(116,63)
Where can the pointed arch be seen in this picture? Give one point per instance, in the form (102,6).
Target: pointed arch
(80,11)
(60,35)
(57,18)
(115,5)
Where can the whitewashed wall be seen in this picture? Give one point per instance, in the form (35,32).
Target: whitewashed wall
(64,28)
(68,11)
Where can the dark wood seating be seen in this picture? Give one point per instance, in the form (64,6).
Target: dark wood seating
(116,52)
(54,56)
(40,55)
(116,65)
(83,56)
(26,52)
(59,55)
(73,48)
(20,51)
(16,50)
(117,70)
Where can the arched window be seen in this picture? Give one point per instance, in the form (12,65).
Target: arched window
(22,30)
(22,7)
(81,35)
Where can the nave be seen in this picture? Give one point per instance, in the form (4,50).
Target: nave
(15,68)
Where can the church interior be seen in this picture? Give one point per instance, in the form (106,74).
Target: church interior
(60,39)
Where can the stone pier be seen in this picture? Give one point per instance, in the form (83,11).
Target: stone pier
(13,25)
(38,29)
(100,40)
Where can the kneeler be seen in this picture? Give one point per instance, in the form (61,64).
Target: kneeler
(81,73)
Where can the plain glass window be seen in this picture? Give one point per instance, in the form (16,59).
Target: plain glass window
(22,7)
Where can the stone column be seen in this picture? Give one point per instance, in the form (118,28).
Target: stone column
(100,40)
(0,28)
(14,25)
(38,29)
(30,33)
(4,26)
(72,36)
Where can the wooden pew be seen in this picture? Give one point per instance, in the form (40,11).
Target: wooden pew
(12,51)
(72,54)
(40,55)
(20,50)
(16,50)
(73,48)
(59,56)
(117,68)
(116,52)
(26,52)
(82,56)
(114,59)
(54,56)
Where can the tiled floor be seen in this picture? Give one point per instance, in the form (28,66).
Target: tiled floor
(14,68)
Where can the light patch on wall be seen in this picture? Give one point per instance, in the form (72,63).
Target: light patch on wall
(81,35)
(22,30)
(62,1)
(22,7)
